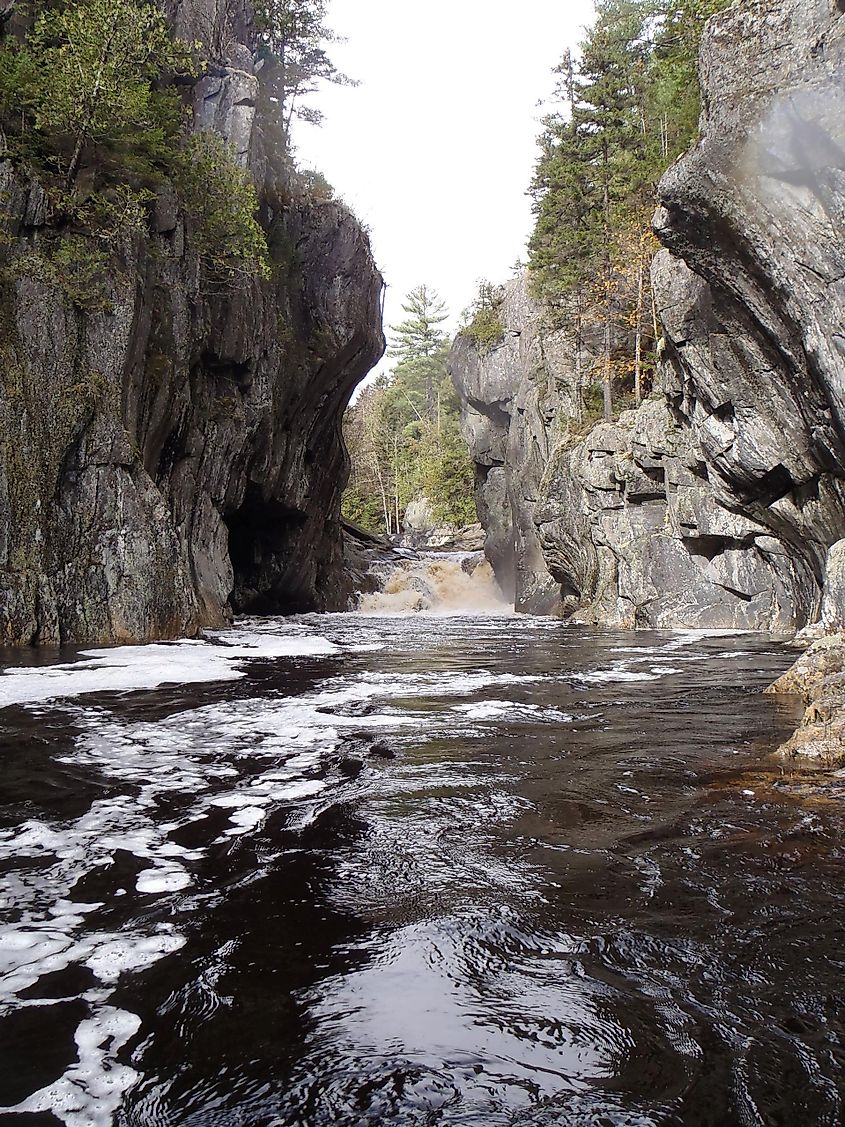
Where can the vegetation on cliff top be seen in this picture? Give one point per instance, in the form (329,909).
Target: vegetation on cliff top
(294,40)
(483,321)
(90,102)
(403,431)
(627,107)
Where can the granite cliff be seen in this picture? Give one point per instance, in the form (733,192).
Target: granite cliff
(177,455)
(716,502)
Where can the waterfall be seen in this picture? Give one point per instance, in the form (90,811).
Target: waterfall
(437,582)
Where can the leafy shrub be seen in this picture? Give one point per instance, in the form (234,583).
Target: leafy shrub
(81,269)
(220,198)
(485,330)
(484,323)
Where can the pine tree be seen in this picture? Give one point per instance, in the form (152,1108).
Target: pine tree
(404,432)
(420,346)
(296,62)
(629,107)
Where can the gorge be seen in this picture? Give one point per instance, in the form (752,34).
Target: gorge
(175,454)
(372,831)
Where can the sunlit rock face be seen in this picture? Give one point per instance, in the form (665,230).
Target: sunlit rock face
(754,312)
(715,503)
(511,395)
(178,456)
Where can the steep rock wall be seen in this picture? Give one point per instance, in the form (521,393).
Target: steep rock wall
(715,503)
(179,455)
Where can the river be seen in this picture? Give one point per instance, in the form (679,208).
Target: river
(415,870)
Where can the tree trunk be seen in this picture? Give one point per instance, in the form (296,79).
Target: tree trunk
(88,120)
(385,508)
(638,346)
(608,370)
(579,373)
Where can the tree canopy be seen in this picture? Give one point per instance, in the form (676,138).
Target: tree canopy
(295,40)
(91,80)
(89,101)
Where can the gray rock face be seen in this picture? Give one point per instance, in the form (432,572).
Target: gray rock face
(715,503)
(509,397)
(178,455)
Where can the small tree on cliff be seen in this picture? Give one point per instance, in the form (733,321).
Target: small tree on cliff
(89,77)
(295,37)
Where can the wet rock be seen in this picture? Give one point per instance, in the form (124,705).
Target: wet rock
(350,767)
(352,708)
(818,678)
(381,750)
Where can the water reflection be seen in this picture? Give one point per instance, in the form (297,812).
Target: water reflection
(497,871)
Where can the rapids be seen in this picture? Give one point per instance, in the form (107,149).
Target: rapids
(443,582)
(414,869)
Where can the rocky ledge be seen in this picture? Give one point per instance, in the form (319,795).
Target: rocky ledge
(177,455)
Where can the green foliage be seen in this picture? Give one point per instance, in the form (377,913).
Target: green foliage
(403,433)
(88,98)
(220,198)
(448,478)
(364,508)
(313,185)
(629,107)
(85,84)
(484,326)
(419,335)
(81,268)
(79,265)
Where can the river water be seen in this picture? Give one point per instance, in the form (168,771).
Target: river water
(415,870)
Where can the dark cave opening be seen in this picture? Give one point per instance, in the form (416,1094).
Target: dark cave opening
(269,560)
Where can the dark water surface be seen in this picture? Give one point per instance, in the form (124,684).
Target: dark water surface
(433,871)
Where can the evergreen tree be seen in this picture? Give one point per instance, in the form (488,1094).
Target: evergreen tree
(88,102)
(403,433)
(629,107)
(295,38)
(420,346)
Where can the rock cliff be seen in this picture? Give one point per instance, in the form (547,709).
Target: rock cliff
(177,455)
(715,503)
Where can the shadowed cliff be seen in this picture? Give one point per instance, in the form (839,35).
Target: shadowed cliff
(175,454)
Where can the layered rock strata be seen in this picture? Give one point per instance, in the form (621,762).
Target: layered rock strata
(715,503)
(177,455)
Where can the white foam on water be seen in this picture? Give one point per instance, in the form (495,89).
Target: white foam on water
(171,878)
(512,710)
(618,675)
(235,762)
(112,958)
(436,584)
(133,668)
(92,1089)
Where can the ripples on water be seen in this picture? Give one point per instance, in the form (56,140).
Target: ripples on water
(430,871)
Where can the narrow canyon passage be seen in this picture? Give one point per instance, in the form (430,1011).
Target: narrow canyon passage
(415,869)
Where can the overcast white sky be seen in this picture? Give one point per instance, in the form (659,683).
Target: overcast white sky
(435,149)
